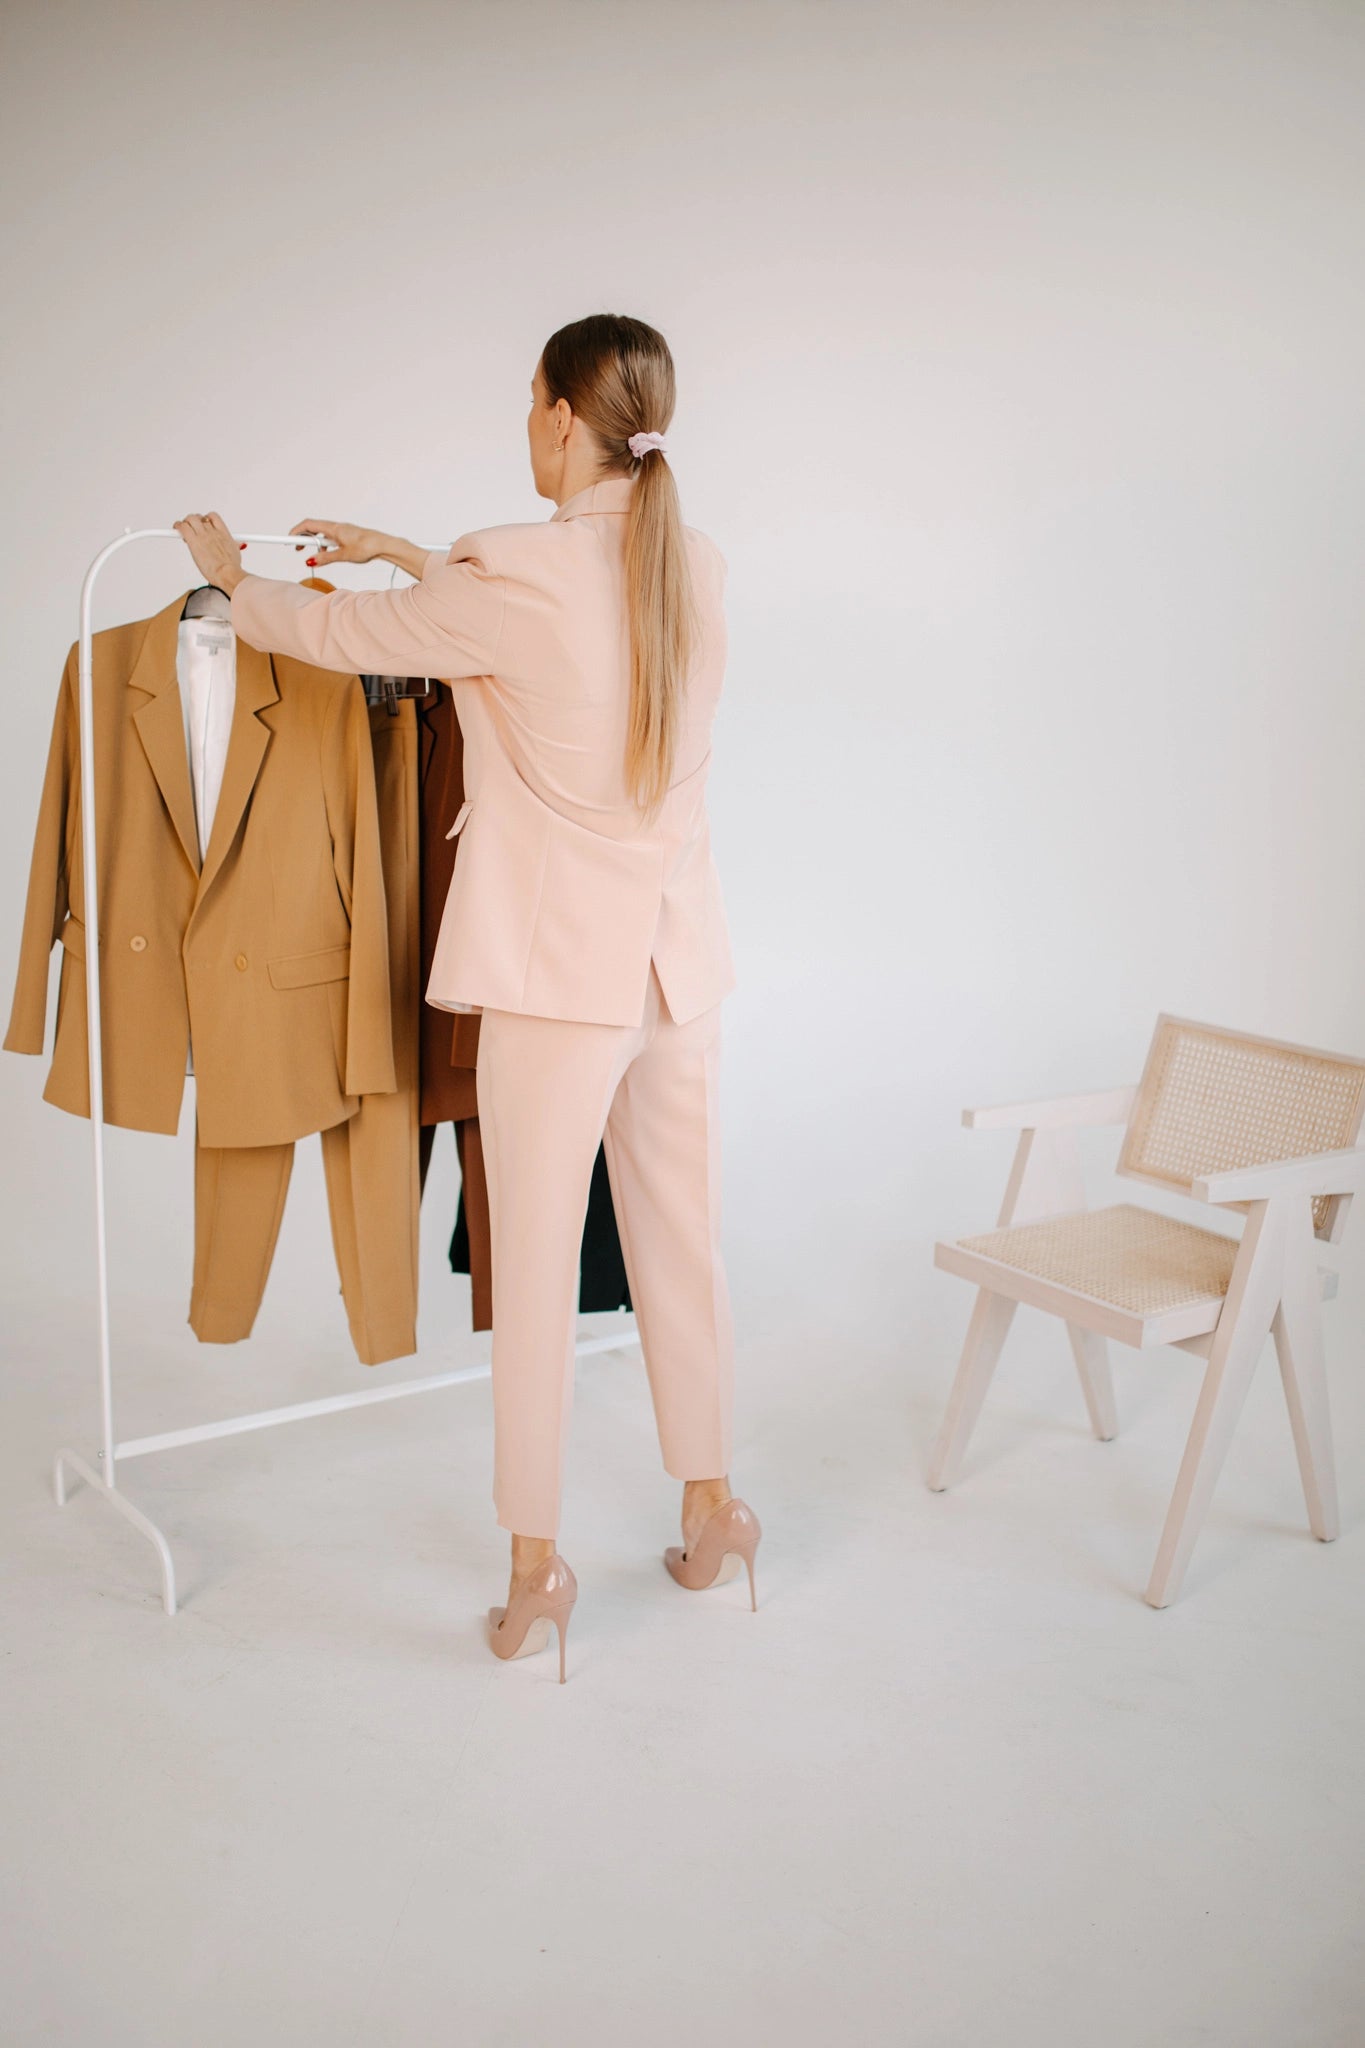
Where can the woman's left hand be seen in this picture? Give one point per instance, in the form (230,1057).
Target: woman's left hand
(217,556)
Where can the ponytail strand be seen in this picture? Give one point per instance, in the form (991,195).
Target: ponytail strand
(617,375)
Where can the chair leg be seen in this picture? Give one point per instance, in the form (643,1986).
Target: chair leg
(1297,1331)
(1252,1300)
(992,1315)
(1091,1354)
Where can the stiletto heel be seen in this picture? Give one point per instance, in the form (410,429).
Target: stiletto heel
(731,1532)
(523,1627)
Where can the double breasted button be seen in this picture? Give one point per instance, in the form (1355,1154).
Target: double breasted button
(138,943)
(241,961)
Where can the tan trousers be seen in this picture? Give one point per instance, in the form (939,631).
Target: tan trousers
(370,1161)
(239,1193)
(547,1092)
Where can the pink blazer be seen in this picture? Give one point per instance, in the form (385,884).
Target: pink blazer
(562,896)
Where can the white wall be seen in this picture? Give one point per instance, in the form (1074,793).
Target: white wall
(1020,353)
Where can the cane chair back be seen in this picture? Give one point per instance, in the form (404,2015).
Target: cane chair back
(1211,1100)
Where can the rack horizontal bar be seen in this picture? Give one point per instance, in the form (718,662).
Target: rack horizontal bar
(334,1404)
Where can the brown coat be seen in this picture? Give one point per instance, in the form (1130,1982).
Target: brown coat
(275,957)
(450,1042)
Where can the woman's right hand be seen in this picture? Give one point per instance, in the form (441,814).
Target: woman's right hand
(347,543)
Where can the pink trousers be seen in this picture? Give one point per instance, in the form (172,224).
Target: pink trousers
(548,1092)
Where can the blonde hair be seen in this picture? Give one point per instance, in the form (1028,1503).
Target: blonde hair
(617,375)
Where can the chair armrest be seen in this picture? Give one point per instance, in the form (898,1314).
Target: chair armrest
(1101,1106)
(1318,1173)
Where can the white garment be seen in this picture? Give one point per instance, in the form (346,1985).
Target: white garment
(206,670)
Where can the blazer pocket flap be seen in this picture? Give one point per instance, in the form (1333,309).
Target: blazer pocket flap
(72,936)
(298,970)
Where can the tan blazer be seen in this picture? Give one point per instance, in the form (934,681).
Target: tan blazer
(561,896)
(274,957)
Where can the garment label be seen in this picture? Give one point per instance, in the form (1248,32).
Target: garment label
(217,643)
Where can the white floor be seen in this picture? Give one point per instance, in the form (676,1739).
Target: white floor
(953,1785)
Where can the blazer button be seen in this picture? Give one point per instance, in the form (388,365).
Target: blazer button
(241,961)
(138,943)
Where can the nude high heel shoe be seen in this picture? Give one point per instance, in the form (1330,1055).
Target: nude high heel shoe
(729,1534)
(523,1626)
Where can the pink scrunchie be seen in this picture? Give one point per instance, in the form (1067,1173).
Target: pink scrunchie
(640,444)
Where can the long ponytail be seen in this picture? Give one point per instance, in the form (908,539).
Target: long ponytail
(617,375)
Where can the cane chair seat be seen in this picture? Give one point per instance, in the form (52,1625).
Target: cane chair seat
(1146,1266)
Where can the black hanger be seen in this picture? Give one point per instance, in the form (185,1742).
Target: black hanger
(387,690)
(208,602)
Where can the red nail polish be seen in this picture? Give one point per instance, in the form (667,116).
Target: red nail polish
(241,543)
(311,563)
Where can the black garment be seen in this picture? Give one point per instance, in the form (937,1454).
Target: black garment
(602,1282)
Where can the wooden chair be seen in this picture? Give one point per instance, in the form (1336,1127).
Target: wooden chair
(1245,1123)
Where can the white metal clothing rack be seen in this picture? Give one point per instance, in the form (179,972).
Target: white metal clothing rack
(102,1475)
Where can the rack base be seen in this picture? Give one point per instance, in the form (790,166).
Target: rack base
(106,1489)
(266,1418)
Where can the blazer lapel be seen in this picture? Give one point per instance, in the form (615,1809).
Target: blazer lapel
(160,722)
(247,744)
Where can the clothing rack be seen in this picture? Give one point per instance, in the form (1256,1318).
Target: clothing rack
(102,1474)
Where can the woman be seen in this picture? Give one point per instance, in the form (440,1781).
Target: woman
(586,654)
